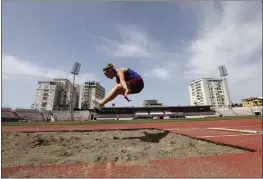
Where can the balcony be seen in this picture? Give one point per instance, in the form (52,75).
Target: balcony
(44,98)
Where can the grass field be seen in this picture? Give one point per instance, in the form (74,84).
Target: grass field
(126,121)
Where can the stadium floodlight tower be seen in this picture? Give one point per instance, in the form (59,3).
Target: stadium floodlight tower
(74,71)
(223,73)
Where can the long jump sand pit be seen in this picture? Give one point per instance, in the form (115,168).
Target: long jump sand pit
(45,148)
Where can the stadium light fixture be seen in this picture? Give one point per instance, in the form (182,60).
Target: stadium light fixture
(223,73)
(75,71)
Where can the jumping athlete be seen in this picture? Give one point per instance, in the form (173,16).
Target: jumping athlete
(128,82)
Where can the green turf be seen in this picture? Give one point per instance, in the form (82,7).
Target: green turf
(126,122)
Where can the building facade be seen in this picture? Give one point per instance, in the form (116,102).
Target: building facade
(56,95)
(91,90)
(209,91)
(252,102)
(47,95)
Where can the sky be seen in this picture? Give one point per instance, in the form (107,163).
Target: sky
(168,43)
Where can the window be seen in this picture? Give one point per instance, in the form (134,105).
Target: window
(44,104)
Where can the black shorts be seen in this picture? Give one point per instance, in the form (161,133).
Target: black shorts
(135,85)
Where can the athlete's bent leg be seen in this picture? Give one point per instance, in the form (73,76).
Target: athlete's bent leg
(117,90)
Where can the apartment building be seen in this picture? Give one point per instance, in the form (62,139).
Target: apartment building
(76,97)
(91,90)
(252,102)
(209,91)
(66,94)
(56,95)
(47,95)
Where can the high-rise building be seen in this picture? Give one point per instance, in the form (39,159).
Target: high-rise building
(56,95)
(65,94)
(76,99)
(209,91)
(91,90)
(47,95)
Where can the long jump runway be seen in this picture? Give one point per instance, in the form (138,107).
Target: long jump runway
(247,164)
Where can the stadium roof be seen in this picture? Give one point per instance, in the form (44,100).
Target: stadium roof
(252,98)
(61,79)
(46,81)
(157,106)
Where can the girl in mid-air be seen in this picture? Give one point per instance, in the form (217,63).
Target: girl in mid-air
(128,82)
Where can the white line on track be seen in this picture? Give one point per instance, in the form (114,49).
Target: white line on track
(109,169)
(235,130)
(205,127)
(234,135)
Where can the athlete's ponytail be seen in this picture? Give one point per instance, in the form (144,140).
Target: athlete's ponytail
(108,67)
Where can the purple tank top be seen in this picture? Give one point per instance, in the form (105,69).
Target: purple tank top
(129,75)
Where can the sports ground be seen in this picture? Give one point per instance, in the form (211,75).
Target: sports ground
(222,147)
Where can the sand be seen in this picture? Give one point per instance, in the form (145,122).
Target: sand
(45,148)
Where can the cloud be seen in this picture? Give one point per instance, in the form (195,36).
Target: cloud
(228,33)
(135,43)
(232,36)
(226,39)
(160,73)
(166,71)
(14,68)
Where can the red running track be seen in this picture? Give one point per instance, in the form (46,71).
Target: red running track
(166,125)
(247,164)
(238,165)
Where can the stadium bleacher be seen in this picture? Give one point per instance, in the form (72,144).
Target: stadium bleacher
(155,111)
(61,115)
(30,115)
(142,114)
(127,113)
(240,111)
(115,113)
(8,115)
(225,111)
(157,114)
(243,111)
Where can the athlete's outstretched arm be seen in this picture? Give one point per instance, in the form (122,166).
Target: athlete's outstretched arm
(123,83)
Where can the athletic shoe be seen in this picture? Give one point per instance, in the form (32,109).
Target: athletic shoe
(97,104)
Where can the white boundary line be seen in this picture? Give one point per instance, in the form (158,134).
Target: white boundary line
(234,135)
(235,130)
(199,128)
(109,169)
